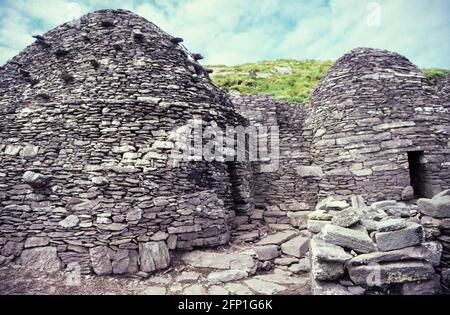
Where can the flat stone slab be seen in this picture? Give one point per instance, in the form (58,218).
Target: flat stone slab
(195,289)
(430,253)
(217,290)
(238,289)
(264,287)
(346,218)
(224,261)
(296,247)
(328,252)
(315,226)
(438,207)
(266,252)
(281,279)
(154,291)
(397,272)
(411,235)
(391,224)
(188,276)
(277,238)
(358,241)
(41,258)
(226,276)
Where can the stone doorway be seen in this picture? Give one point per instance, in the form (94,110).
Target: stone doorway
(417,173)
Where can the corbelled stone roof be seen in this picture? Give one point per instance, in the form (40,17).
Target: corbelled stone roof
(107,54)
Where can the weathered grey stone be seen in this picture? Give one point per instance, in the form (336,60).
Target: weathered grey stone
(328,252)
(442,194)
(153,256)
(13,149)
(411,235)
(326,270)
(427,252)
(296,247)
(346,218)
(397,272)
(226,276)
(217,290)
(438,207)
(99,180)
(390,224)
(445,274)
(264,287)
(356,240)
(36,180)
(407,193)
(188,276)
(29,151)
(320,215)
(125,262)
(101,260)
(331,203)
(36,242)
(70,221)
(41,258)
(285,261)
(213,260)
(12,248)
(267,252)
(154,290)
(427,287)
(310,171)
(299,219)
(315,226)
(195,289)
(278,238)
(113,227)
(134,215)
(327,288)
(159,236)
(238,289)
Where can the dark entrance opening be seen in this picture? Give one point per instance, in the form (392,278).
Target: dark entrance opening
(417,173)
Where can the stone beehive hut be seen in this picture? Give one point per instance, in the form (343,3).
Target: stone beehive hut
(378,128)
(373,127)
(88,114)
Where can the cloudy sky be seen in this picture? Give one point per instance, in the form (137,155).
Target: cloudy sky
(238,31)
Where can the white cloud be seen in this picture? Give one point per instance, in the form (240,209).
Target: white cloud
(237,31)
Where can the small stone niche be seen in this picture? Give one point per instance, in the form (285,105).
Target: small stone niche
(61,52)
(107,23)
(67,77)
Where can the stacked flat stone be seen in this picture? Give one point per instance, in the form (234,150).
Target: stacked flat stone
(286,194)
(353,136)
(379,249)
(371,108)
(436,221)
(88,117)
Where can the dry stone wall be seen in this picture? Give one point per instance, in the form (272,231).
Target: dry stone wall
(368,112)
(286,193)
(377,249)
(89,115)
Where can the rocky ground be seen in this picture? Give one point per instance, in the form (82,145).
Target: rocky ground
(274,265)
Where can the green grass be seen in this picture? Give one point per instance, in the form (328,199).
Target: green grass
(294,87)
(435,73)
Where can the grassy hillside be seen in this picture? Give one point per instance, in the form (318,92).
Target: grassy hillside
(290,80)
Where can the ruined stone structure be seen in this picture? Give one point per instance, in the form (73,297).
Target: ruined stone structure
(373,127)
(90,113)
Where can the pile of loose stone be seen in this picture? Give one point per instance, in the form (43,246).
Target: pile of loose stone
(436,223)
(377,249)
